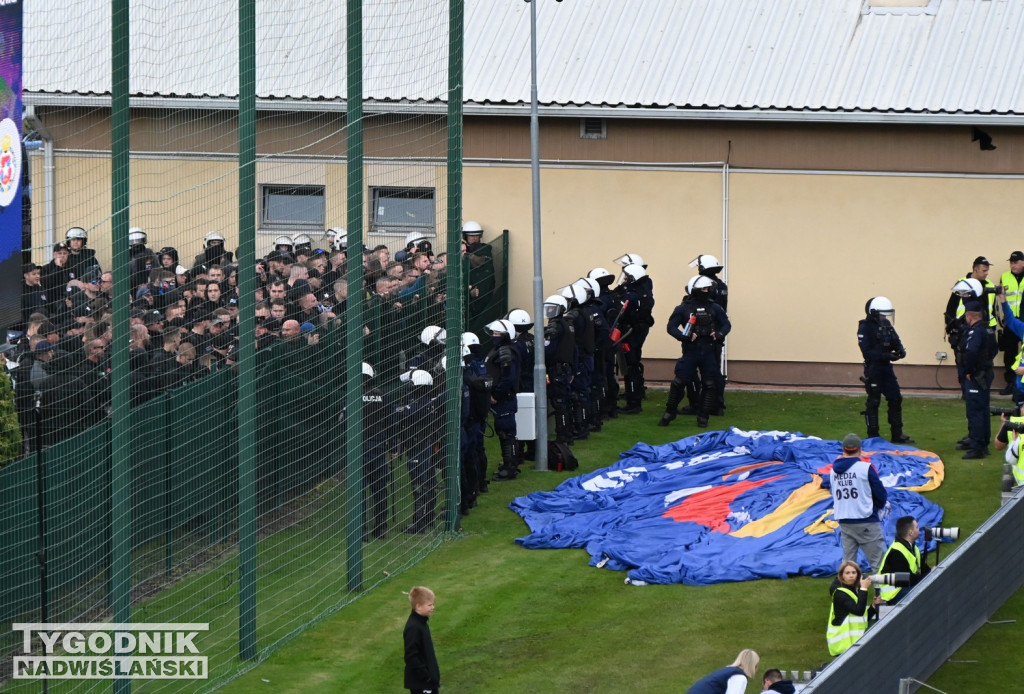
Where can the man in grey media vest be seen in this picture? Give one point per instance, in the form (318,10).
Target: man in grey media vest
(858,495)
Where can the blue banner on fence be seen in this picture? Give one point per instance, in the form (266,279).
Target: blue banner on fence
(721,506)
(12,163)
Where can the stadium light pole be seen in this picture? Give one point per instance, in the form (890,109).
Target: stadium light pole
(539,368)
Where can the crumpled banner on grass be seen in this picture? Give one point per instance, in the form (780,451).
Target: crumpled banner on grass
(721,506)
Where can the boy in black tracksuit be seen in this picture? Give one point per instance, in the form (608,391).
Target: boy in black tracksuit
(422,674)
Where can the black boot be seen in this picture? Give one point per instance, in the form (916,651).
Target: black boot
(896,422)
(675,394)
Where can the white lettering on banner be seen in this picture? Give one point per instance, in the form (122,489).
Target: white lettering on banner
(159,651)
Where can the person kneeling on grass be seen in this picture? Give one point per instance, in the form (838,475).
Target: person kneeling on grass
(422,674)
(731,679)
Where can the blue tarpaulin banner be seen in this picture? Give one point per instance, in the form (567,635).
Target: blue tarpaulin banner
(721,506)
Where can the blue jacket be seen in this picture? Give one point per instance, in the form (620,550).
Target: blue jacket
(716,682)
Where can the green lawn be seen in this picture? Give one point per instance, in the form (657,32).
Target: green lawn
(510,619)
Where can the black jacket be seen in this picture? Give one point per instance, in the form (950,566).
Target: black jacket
(421,670)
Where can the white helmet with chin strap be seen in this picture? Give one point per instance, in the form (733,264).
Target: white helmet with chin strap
(595,286)
(554,306)
(368,370)
(520,318)
(468,340)
(968,287)
(630,259)
(879,306)
(433,334)
(420,377)
(136,237)
(634,272)
(706,263)
(502,327)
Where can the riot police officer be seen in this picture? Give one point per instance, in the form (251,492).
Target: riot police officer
(698,324)
(560,358)
(881,346)
(142,259)
(636,298)
(596,309)
(503,367)
(476,404)
(606,358)
(418,422)
(524,345)
(376,471)
(577,294)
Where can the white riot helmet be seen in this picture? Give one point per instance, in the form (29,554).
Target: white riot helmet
(690,282)
(603,277)
(502,327)
(136,237)
(468,340)
(472,229)
(337,238)
(700,284)
(520,318)
(595,286)
(634,272)
(573,294)
(433,334)
(581,291)
(413,238)
(302,241)
(630,259)
(285,241)
(554,306)
(213,237)
(879,306)
(420,377)
(368,370)
(969,287)
(76,233)
(706,264)
(444,362)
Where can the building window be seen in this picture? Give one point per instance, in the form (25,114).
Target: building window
(291,208)
(401,210)
(593,129)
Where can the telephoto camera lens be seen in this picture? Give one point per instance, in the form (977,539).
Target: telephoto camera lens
(897,578)
(940,533)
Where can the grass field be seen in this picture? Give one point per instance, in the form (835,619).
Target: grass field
(511,620)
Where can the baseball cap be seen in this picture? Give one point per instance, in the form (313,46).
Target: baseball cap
(43,346)
(60,247)
(154,317)
(851,442)
(307,328)
(981,260)
(1016,255)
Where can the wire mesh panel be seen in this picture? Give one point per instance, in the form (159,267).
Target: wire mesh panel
(214,379)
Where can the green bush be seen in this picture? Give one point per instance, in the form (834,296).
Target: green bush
(10,432)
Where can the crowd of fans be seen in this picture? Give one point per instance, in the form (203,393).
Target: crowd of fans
(184,316)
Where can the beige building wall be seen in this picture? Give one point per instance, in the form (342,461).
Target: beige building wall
(805,250)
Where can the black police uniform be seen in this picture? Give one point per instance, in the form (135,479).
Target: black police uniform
(977,348)
(881,346)
(709,325)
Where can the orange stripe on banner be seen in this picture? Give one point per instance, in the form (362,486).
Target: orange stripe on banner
(798,502)
(753,466)
(711,506)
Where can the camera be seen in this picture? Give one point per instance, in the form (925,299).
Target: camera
(940,533)
(999,411)
(898,578)
(1015,426)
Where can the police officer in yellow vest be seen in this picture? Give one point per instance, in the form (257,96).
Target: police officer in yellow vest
(1009,439)
(903,555)
(1012,282)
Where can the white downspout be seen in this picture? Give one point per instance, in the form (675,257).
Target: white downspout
(725,246)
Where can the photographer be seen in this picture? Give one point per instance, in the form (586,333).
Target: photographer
(1012,282)
(1009,439)
(848,614)
(881,346)
(903,555)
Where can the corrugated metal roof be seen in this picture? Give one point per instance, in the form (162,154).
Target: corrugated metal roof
(952,56)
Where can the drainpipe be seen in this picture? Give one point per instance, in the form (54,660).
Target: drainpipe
(725,245)
(49,207)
